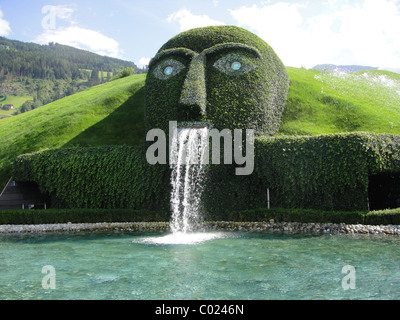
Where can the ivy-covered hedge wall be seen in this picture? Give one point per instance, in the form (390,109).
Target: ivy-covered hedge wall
(101,177)
(225,75)
(327,172)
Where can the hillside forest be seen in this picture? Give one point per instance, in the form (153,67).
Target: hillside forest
(40,74)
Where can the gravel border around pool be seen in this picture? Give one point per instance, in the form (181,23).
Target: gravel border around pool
(289,227)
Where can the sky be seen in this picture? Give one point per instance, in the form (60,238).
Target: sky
(303,33)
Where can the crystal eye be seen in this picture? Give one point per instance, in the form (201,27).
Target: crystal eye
(168,70)
(236,65)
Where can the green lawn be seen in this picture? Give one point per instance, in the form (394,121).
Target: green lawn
(321,103)
(17,101)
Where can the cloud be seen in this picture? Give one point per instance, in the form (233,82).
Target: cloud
(72,34)
(358,33)
(144,61)
(187,20)
(81,38)
(5,28)
(279,25)
(371,31)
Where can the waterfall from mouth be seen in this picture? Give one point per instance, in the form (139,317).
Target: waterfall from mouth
(188,149)
(188,160)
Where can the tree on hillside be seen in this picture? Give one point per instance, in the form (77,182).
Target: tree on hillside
(29,105)
(124,73)
(127,72)
(94,78)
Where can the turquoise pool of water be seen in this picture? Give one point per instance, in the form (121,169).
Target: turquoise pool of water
(221,265)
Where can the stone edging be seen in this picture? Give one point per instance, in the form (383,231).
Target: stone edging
(77,227)
(299,227)
(290,227)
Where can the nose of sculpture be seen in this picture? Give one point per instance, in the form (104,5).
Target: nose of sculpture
(192,103)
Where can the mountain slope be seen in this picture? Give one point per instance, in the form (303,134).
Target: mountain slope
(341,68)
(52,61)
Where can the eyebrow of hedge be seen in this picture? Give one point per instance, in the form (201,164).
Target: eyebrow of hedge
(190,53)
(175,51)
(230,46)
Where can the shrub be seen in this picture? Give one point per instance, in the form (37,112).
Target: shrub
(297,215)
(124,73)
(54,216)
(383,217)
(389,216)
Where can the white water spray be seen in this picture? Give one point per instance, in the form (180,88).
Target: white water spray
(188,160)
(189,149)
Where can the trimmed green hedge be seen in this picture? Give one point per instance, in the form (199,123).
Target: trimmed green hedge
(54,216)
(101,177)
(383,217)
(202,85)
(327,172)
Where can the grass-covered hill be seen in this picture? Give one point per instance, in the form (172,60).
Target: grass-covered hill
(113,113)
(322,103)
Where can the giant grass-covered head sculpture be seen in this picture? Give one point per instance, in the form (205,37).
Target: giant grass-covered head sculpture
(224,75)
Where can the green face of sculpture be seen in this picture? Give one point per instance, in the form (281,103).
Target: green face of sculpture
(224,75)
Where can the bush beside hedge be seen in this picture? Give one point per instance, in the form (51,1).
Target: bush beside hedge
(383,217)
